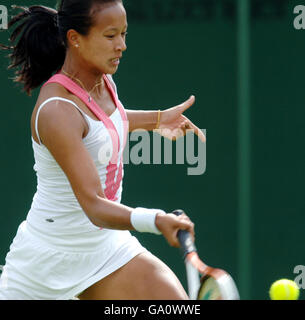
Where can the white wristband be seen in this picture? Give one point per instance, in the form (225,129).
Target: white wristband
(143,220)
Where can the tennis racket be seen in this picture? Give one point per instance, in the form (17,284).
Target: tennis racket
(215,284)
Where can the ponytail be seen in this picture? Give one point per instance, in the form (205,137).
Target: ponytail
(39,42)
(37,48)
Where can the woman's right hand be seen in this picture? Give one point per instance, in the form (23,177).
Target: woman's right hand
(169,224)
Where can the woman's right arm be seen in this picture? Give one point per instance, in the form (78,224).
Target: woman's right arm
(61,129)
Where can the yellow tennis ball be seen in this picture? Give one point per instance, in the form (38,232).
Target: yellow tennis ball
(284,289)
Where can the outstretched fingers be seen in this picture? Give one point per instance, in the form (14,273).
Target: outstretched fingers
(187,124)
(190,126)
(187,104)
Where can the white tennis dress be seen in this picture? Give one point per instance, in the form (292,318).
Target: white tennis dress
(57,252)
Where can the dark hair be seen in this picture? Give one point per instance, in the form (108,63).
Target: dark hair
(38,43)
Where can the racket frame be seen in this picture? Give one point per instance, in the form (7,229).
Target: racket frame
(195,267)
(193,279)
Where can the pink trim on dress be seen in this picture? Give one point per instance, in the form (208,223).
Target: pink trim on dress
(112,186)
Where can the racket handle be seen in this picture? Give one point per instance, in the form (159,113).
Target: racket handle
(184,237)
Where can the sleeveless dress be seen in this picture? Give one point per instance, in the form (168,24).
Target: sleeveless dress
(57,252)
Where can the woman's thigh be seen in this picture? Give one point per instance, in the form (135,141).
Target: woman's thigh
(145,277)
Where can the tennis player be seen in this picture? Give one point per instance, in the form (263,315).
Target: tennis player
(76,238)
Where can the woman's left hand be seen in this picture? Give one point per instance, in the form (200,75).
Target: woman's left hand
(173,124)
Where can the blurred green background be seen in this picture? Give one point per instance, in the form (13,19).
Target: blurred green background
(177,48)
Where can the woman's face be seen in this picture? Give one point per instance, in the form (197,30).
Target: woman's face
(103,47)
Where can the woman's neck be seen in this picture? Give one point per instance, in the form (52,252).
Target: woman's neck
(85,77)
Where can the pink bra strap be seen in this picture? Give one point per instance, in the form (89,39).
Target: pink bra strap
(112,184)
(80,93)
(100,114)
(120,107)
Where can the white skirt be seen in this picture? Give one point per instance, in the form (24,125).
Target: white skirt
(36,271)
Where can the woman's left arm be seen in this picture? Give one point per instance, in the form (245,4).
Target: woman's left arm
(139,119)
(170,123)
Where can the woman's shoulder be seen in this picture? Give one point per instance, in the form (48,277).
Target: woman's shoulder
(56,109)
(51,90)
